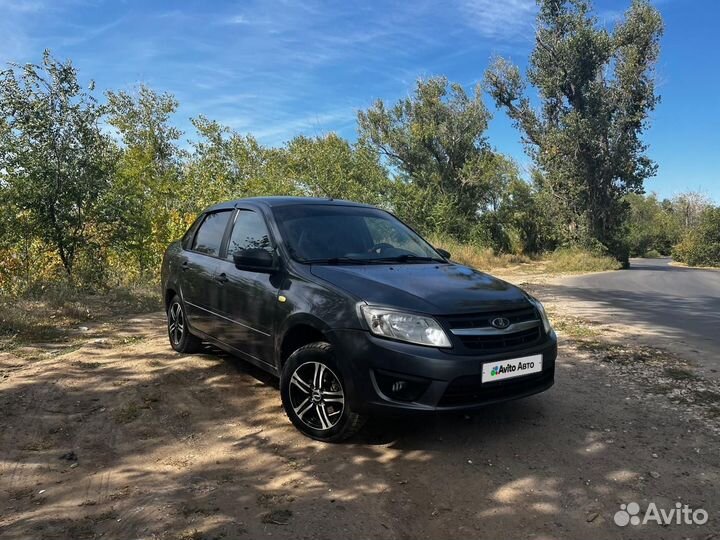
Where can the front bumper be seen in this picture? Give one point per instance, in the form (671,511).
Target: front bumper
(436,380)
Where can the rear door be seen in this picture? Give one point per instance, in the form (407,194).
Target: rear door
(200,290)
(248,298)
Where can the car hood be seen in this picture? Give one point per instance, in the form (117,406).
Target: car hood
(428,288)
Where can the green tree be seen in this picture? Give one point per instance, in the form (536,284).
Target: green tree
(515,215)
(329,166)
(652,226)
(496,226)
(549,216)
(55,162)
(596,89)
(225,165)
(701,245)
(435,142)
(689,208)
(144,199)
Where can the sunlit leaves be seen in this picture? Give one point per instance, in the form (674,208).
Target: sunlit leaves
(55,160)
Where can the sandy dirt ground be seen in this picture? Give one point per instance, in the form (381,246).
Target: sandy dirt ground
(123,438)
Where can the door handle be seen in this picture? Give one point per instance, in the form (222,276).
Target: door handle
(222,278)
(184,266)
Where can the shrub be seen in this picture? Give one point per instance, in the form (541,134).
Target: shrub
(575,259)
(701,245)
(482,258)
(652,254)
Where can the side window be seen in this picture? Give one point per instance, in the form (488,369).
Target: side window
(188,236)
(210,234)
(249,232)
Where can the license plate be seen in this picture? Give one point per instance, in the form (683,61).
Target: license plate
(507,369)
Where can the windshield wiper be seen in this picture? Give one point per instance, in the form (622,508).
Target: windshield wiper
(410,258)
(374,260)
(336,260)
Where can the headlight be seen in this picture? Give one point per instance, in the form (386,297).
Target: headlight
(405,327)
(543,316)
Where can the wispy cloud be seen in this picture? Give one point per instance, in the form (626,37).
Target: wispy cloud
(508,20)
(15,42)
(280,131)
(89,33)
(20,6)
(276,68)
(237,19)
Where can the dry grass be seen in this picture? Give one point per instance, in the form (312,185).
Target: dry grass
(573,327)
(47,312)
(561,261)
(478,257)
(569,260)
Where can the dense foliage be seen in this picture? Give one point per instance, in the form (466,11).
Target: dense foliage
(655,227)
(701,245)
(436,141)
(98,190)
(57,165)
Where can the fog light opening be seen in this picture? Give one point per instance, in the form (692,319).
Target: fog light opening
(399,388)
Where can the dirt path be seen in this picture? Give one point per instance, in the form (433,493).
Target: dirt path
(168,446)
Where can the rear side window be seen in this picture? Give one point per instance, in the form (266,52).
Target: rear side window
(209,236)
(249,232)
(190,233)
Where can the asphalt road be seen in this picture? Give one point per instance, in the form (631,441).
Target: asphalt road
(681,306)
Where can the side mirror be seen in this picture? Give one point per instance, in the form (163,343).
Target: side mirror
(444,253)
(255,260)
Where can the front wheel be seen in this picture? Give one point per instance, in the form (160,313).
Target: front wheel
(314,397)
(178,331)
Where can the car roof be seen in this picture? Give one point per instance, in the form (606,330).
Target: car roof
(276,201)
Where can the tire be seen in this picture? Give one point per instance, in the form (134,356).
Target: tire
(319,411)
(178,332)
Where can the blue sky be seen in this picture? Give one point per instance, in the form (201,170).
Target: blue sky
(280,68)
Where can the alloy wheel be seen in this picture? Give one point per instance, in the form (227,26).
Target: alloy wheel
(316,395)
(176,323)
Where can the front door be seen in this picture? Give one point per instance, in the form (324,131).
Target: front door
(248,299)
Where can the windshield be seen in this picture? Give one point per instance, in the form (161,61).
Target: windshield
(337,234)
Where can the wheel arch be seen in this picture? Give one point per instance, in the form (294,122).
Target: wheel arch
(300,329)
(170,293)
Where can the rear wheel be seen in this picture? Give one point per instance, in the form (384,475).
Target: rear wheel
(178,331)
(314,397)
